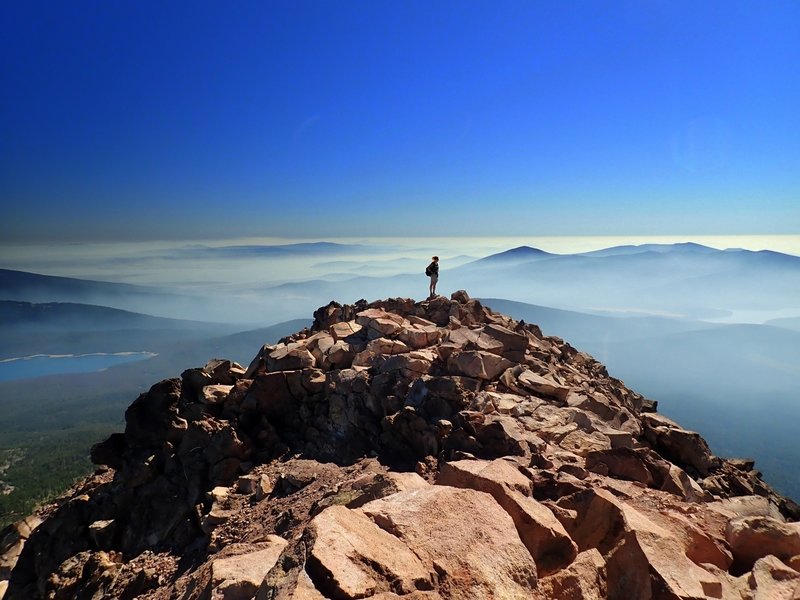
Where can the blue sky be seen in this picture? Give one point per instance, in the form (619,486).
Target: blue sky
(146,120)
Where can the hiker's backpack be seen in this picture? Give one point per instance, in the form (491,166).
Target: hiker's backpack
(428,271)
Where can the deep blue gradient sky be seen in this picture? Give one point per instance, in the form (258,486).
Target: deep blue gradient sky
(142,120)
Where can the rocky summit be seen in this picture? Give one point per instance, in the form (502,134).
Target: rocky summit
(417,450)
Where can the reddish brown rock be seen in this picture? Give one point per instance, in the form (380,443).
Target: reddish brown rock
(684,447)
(387,346)
(584,579)
(380,323)
(543,386)
(12,543)
(420,334)
(625,463)
(537,527)
(771,579)
(514,344)
(354,558)
(215,394)
(478,364)
(747,506)
(755,537)
(343,330)
(582,443)
(238,575)
(430,522)
(650,558)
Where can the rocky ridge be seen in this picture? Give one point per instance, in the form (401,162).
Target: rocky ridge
(434,450)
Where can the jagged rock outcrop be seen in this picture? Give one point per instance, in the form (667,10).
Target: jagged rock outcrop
(434,450)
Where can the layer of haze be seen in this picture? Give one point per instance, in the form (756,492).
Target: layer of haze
(212,263)
(257,281)
(145,120)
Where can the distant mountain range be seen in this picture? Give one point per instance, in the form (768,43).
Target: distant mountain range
(515,255)
(647,312)
(281,250)
(33,285)
(687,280)
(60,316)
(65,328)
(20,286)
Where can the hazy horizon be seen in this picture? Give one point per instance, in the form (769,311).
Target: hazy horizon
(161,262)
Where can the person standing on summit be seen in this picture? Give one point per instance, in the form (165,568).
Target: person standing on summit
(432,271)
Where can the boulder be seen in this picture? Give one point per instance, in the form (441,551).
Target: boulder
(352,557)
(625,463)
(379,323)
(771,579)
(478,364)
(320,345)
(677,482)
(371,486)
(387,346)
(642,556)
(686,448)
(541,385)
(584,579)
(746,506)
(290,357)
(238,576)
(343,330)
(340,356)
(276,394)
(13,541)
(215,394)
(430,523)
(110,451)
(102,533)
(420,336)
(501,435)
(214,372)
(264,487)
(407,365)
(582,444)
(650,560)
(597,403)
(514,344)
(543,535)
(303,590)
(465,338)
(755,537)
(592,518)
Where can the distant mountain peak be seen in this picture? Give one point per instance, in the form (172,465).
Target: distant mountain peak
(677,248)
(516,254)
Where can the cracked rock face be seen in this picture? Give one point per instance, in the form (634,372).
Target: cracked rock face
(397,449)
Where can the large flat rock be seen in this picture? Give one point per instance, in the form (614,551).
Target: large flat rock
(468,540)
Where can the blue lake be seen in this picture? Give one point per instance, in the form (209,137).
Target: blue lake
(40,365)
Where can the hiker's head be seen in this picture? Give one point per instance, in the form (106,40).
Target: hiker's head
(435,258)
